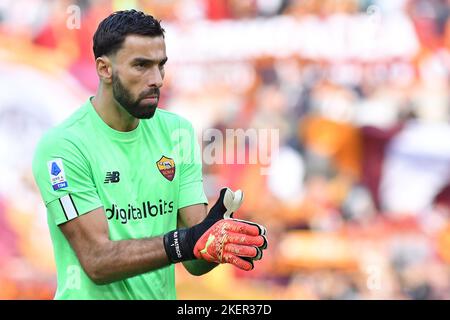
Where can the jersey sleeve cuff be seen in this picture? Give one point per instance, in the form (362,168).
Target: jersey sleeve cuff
(69,207)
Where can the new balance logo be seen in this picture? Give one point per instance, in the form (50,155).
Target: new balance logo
(112,177)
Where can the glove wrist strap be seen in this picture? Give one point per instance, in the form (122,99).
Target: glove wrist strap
(176,244)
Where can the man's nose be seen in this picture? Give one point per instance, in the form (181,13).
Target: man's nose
(155,78)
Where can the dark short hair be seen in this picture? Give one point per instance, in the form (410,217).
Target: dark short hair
(112,31)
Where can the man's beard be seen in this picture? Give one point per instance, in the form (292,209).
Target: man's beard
(134,107)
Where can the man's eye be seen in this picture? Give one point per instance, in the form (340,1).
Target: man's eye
(140,65)
(162,63)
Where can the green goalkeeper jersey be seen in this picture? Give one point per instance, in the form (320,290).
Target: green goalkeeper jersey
(141,178)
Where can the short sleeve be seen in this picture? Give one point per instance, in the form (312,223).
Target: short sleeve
(191,177)
(64,179)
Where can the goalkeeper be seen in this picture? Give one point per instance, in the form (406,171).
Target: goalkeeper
(122,181)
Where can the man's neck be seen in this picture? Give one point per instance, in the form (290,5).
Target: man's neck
(112,113)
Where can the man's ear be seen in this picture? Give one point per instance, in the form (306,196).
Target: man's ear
(104,69)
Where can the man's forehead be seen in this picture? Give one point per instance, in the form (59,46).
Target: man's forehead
(143,46)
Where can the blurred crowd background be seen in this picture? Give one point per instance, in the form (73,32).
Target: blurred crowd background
(356,199)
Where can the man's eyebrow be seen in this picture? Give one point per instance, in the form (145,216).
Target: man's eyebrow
(146,60)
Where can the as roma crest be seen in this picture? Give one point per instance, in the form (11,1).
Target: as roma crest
(167,167)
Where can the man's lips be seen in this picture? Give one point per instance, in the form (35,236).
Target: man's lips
(150,99)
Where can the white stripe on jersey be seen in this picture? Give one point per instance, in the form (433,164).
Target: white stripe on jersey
(68,207)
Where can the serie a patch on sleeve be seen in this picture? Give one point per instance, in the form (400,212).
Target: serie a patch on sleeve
(57,175)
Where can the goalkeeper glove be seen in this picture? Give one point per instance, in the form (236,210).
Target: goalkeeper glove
(219,238)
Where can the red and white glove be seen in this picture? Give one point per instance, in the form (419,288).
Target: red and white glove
(230,240)
(219,238)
